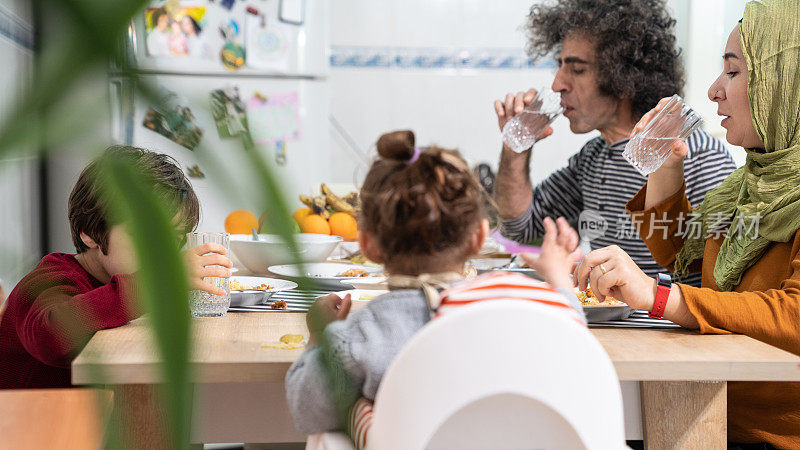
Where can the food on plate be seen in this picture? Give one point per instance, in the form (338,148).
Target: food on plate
(331,208)
(358,258)
(362,260)
(288,342)
(587,298)
(314,223)
(352,273)
(241,222)
(366,297)
(236,286)
(372,275)
(278,304)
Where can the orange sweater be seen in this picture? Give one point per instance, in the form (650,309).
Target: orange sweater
(764,306)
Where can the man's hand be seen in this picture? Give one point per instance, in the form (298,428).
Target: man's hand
(198,259)
(325,310)
(513,105)
(560,253)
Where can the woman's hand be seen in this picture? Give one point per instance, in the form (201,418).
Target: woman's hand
(611,272)
(325,310)
(513,105)
(667,179)
(559,255)
(679,148)
(199,258)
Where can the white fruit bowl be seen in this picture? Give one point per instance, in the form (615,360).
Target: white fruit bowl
(272,250)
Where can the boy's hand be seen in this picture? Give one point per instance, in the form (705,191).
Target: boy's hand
(560,253)
(198,259)
(325,310)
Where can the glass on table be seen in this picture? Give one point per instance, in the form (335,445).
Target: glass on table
(202,303)
(648,150)
(521,131)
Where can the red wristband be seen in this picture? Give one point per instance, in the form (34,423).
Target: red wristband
(660,303)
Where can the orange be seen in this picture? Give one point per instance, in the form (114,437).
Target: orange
(241,222)
(301,214)
(344,225)
(314,223)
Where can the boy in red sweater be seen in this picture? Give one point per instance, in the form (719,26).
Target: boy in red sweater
(54,310)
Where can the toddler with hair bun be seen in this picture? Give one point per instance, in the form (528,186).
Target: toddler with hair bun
(422,217)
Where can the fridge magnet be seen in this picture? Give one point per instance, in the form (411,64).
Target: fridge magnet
(176,31)
(280,153)
(267,41)
(273,118)
(229,112)
(232,53)
(173,121)
(195,172)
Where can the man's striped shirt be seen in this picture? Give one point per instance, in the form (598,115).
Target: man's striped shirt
(598,182)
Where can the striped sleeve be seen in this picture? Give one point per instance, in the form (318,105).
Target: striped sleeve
(706,166)
(559,195)
(360,422)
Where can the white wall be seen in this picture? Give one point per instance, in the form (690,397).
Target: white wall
(453,106)
(19,170)
(709,24)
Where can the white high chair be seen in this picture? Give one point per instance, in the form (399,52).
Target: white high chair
(500,374)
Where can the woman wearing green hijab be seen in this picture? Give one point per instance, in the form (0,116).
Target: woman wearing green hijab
(744,236)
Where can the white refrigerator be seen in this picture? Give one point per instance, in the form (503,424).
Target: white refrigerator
(265,61)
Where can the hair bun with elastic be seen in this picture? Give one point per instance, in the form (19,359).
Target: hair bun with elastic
(396,145)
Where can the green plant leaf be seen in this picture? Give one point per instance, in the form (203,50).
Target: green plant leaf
(163,283)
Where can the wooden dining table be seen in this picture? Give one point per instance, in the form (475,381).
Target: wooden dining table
(680,378)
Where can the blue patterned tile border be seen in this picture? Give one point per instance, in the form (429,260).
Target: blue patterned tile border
(15,29)
(434,58)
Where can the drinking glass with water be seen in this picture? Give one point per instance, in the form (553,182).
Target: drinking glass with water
(648,149)
(521,131)
(202,303)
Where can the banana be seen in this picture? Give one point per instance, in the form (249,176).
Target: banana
(352,199)
(337,203)
(317,204)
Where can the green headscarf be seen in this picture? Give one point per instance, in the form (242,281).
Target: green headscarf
(768,186)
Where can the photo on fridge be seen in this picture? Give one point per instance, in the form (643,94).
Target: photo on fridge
(177,30)
(172,120)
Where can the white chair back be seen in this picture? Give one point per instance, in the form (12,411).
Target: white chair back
(500,374)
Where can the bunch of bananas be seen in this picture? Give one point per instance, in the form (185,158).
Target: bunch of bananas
(328,203)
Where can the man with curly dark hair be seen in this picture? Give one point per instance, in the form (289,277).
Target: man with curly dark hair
(616,59)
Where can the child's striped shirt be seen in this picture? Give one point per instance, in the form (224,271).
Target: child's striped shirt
(487,287)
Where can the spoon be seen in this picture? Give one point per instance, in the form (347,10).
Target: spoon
(255,235)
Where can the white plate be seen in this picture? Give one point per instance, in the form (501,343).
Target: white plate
(272,249)
(249,297)
(323,275)
(366,282)
(483,265)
